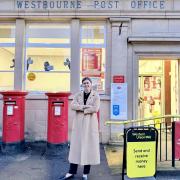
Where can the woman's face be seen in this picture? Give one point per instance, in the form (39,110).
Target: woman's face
(87,85)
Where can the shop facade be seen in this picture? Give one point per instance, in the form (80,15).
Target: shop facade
(49,46)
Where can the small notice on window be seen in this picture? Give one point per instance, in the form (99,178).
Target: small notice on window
(9,110)
(57,111)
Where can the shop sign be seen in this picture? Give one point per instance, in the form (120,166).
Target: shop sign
(177,140)
(118,79)
(136,4)
(119,101)
(67,4)
(141,152)
(91,4)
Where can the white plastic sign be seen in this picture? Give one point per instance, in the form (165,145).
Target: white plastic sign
(9,110)
(57,111)
(119,101)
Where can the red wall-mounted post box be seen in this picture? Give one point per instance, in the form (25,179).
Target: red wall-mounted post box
(57,132)
(13,121)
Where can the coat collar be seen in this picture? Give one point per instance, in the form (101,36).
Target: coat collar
(89,98)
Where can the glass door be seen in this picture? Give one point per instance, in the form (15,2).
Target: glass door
(158,89)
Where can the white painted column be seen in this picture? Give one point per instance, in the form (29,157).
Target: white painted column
(75,55)
(119,62)
(19,55)
(119,46)
(108,58)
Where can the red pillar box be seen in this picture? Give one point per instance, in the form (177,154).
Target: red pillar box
(57,133)
(13,121)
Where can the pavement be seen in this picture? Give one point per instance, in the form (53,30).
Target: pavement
(36,164)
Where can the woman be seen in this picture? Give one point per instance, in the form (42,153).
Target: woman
(84,148)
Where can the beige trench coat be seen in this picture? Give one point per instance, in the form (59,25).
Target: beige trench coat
(84,144)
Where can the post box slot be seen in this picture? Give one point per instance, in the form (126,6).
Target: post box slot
(58,103)
(10,102)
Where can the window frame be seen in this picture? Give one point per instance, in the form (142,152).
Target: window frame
(44,45)
(104,45)
(13,45)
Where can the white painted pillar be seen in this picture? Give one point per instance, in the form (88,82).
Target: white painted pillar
(19,55)
(108,58)
(119,62)
(119,46)
(75,55)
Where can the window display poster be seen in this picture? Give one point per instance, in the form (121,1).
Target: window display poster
(97,83)
(119,101)
(91,62)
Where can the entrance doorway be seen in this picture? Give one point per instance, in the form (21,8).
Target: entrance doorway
(158,85)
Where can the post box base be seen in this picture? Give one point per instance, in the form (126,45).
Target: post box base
(56,149)
(13,148)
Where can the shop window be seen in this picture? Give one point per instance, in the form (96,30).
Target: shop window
(48,57)
(93,50)
(7,55)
